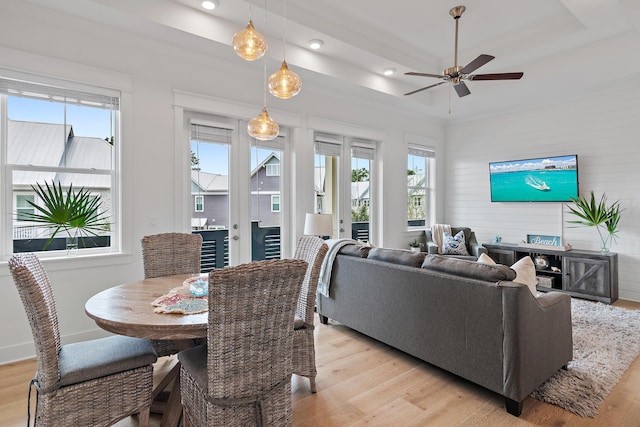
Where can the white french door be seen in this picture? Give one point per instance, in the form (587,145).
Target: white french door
(344,181)
(237,200)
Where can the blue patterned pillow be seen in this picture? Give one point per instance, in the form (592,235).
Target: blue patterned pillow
(454,245)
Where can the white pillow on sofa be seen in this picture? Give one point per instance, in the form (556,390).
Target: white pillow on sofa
(524,268)
(486,259)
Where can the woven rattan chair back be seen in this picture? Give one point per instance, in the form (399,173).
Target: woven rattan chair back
(251,311)
(167,254)
(35,291)
(313,250)
(171,253)
(80,400)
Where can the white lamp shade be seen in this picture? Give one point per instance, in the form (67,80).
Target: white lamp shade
(318,224)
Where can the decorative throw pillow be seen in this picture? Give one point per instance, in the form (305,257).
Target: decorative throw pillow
(454,245)
(486,259)
(526,273)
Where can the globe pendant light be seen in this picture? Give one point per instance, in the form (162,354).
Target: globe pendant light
(248,43)
(263,127)
(284,83)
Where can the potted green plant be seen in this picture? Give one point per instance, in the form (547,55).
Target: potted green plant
(598,214)
(76,213)
(415,246)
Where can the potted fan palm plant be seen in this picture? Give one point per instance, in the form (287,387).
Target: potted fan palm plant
(74,212)
(598,214)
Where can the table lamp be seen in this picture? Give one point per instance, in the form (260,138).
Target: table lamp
(318,225)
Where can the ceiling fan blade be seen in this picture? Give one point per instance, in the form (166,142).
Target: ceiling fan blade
(476,63)
(412,73)
(424,88)
(461,89)
(497,76)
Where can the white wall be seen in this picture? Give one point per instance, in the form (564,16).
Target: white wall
(602,130)
(47,42)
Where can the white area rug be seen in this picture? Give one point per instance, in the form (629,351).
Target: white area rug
(606,340)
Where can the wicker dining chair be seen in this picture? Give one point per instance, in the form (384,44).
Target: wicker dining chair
(243,376)
(167,254)
(91,383)
(312,250)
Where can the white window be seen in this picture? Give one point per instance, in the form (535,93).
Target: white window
(419,192)
(65,138)
(24,207)
(199,203)
(273,169)
(275,203)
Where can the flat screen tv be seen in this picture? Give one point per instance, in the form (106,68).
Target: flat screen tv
(545,179)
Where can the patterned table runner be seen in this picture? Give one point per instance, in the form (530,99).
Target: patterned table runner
(180,301)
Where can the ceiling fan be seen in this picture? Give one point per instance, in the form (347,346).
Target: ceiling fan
(456,74)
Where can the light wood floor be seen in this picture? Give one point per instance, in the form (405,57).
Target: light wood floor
(363,382)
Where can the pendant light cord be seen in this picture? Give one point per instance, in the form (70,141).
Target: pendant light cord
(284,32)
(265,59)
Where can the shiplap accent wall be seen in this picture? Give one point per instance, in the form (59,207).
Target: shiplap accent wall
(603,130)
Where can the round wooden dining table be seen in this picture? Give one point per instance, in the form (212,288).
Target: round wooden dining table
(126,310)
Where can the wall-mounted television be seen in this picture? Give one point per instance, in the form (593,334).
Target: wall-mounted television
(544,179)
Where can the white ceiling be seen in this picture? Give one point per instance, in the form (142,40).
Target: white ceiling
(566,48)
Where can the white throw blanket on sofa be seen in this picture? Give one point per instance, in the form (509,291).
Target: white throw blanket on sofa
(437,231)
(327,264)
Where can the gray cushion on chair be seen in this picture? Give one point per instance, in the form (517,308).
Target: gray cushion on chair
(87,360)
(194,360)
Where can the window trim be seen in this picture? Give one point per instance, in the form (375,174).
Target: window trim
(429,155)
(94,94)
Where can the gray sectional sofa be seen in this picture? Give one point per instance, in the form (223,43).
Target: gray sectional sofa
(468,318)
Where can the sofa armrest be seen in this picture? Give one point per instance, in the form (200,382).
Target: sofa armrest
(538,339)
(475,248)
(432,248)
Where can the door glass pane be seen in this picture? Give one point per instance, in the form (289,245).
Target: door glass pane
(266,220)
(210,197)
(326,185)
(360,198)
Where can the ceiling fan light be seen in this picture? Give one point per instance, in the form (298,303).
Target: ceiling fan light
(284,83)
(263,127)
(249,44)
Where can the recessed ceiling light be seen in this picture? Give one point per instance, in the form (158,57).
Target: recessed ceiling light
(315,44)
(389,71)
(210,4)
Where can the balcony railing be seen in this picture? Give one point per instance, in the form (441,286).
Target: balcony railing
(266,243)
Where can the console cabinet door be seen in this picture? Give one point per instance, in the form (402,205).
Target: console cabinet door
(587,276)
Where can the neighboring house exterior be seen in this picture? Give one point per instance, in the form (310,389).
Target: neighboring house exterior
(210,197)
(53,145)
(416,197)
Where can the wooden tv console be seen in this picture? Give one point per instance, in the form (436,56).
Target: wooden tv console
(583,274)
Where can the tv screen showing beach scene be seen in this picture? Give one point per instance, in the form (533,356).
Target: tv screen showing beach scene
(545,179)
